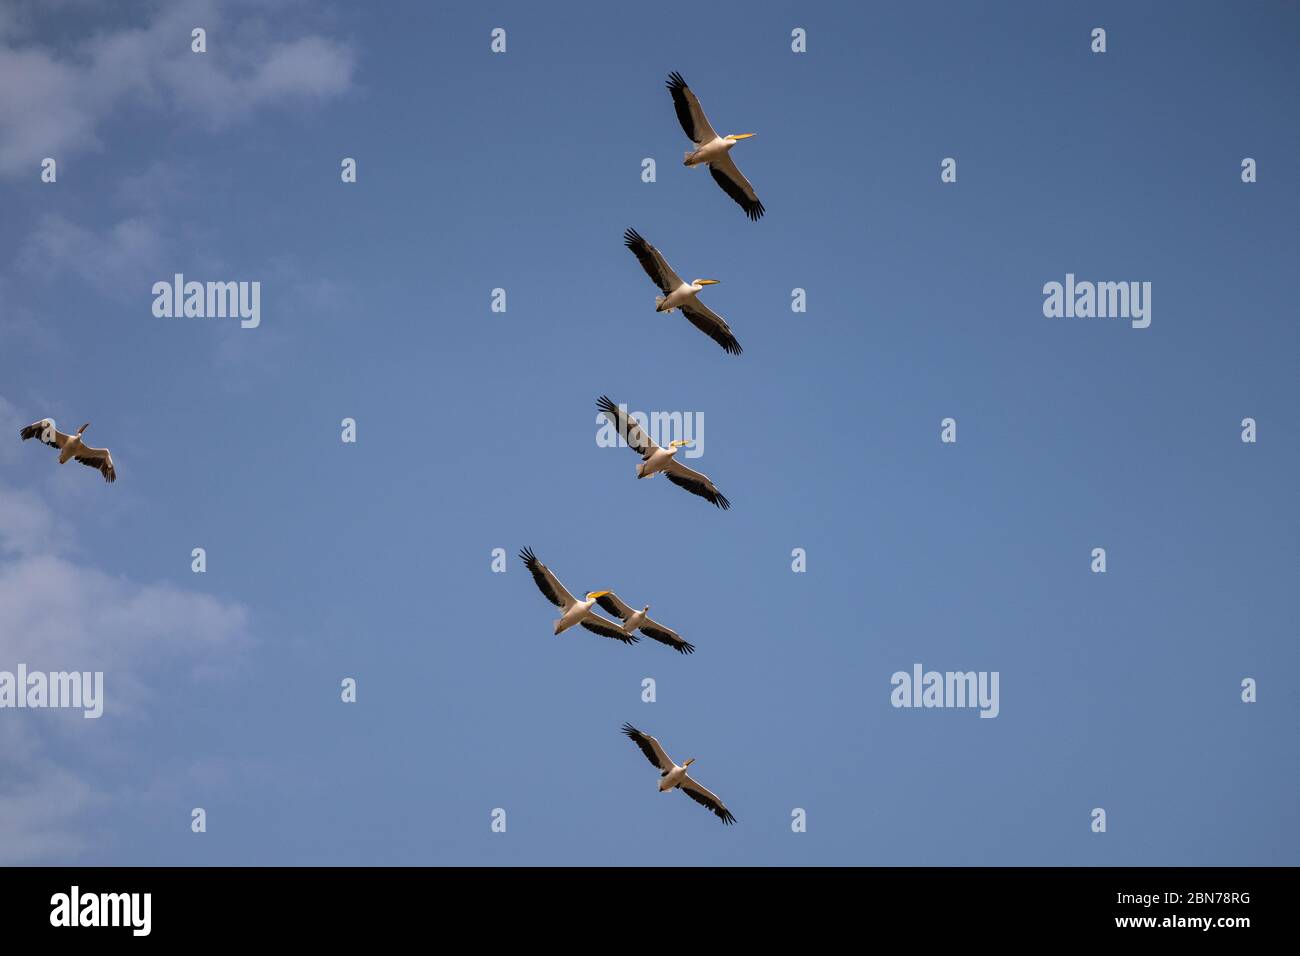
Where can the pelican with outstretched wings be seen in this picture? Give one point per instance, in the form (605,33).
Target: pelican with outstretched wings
(711,149)
(71,447)
(673,777)
(641,620)
(656,460)
(678,294)
(573,610)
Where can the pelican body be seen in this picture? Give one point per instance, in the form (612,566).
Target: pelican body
(636,618)
(659,459)
(74,445)
(713,150)
(578,612)
(676,777)
(682,295)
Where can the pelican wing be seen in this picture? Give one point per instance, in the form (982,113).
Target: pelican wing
(665,635)
(695,483)
(98,458)
(705,798)
(632,433)
(689,113)
(613,605)
(547,582)
(650,747)
(45,431)
(734,184)
(712,325)
(653,262)
(598,625)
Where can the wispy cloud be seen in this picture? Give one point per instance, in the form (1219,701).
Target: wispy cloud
(41,803)
(115,261)
(53,104)
(58,612)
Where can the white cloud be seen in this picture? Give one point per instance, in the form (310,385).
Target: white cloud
(55,103)
(27,526)
(117,261)
(59,613)
(41,803)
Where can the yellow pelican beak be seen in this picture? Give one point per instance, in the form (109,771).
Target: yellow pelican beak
(708,281)
(741,135)
(592,595)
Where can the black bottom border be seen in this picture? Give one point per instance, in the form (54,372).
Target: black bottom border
(365,903)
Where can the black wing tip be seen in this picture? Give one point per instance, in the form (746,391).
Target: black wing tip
(605,404)
(601,630)
(675,81)
(35,429)
(727,817)
(685,648)
(722,502)
(632,239)
(526,555)
(630,731)
(753,208)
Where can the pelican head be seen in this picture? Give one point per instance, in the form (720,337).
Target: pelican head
(592,595)
(83,428)
(688,763)
(706,282)
(735,137)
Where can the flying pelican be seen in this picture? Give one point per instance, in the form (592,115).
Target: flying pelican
(711,148)
(681,295)
(633,620)
(655,459)
(71,446)
(575,611)
(673,777)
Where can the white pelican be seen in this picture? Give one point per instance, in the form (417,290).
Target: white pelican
(655,459)
(71,446)
(681,295)
(711,148)
(575,611)
(634,620)
(673,777)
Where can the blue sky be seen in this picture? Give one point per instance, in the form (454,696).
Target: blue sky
(476,430)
